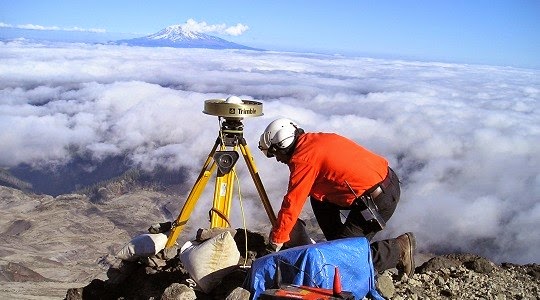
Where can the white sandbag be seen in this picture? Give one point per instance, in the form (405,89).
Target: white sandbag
(143,245)
(208,262)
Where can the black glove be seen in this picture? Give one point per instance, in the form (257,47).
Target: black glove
(272,248)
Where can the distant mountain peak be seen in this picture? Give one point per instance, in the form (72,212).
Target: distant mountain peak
(176,33)
(177,36)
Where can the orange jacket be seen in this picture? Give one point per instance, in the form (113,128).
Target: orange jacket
(321,166)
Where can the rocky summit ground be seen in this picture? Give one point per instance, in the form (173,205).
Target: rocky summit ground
(63,247)
(463,276)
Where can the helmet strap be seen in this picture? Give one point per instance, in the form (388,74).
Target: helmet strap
(273,149)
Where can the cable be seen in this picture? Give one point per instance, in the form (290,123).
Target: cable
(221,131)
(243,216)
(220,214)
(323,267)
(302,271)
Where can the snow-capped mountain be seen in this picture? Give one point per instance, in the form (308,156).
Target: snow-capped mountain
(177,33)
(178,37)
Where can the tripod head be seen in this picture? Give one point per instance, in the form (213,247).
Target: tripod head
(233,110)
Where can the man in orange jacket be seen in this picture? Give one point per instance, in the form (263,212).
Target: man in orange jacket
(335,172)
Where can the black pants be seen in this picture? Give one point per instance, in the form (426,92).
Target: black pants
(385,253)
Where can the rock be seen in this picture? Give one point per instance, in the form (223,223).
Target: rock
(163,227)
(385,285)
(74,294)
(239,294)
(204,234)
(177,291)
(437,263)
(480,265)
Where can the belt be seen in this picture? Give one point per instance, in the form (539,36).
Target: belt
(378,189)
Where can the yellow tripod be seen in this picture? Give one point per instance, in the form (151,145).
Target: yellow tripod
(228,142)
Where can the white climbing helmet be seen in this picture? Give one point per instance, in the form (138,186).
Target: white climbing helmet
(278,136)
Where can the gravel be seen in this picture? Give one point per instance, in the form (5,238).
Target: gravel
(466,276)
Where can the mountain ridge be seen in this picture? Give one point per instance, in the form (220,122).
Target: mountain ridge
(177,36)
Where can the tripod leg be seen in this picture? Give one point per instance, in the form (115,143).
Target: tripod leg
(258,182)
(219,215)
(178,225)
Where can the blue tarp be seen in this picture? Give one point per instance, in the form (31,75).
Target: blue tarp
(314,266)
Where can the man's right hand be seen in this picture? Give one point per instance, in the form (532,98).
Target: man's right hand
(272,247)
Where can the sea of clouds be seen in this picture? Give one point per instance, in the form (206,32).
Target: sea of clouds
(465,139)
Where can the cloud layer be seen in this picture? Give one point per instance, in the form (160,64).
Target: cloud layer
(463,138)
(55,28)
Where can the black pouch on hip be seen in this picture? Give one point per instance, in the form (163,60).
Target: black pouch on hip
(370,212)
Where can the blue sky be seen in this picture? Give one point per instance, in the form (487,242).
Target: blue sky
(483,31)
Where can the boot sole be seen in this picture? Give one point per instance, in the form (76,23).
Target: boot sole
(412,248)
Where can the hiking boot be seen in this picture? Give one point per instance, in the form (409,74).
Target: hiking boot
(407,246)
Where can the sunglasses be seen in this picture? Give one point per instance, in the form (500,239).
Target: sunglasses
(269,152)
